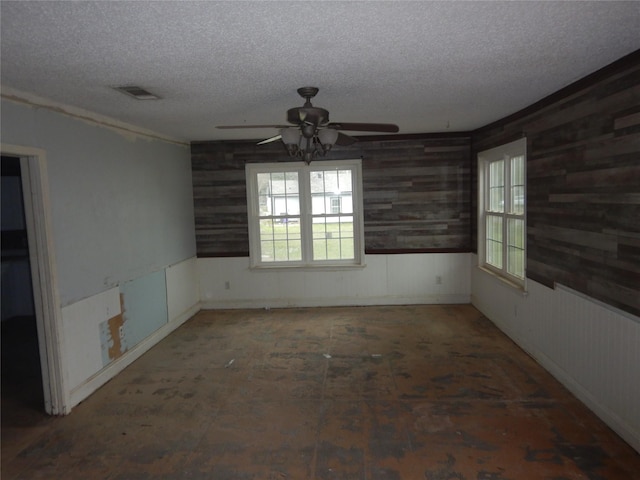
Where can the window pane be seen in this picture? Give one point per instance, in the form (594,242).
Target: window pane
(517,170)
(517,184)
(320,249)
(331,191)
(267,251)
(316,181)
(496,173)
(264,194)
(496,199)
(346,227)
(515,248)
(333,248)
(496,186)
(517,200)
(278,193)
(515,262)
(294,249)
(319,228)
(280,240)
(494,241)
(333,238)
(347,248)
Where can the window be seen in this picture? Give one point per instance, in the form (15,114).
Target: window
(501,219)
(305,215)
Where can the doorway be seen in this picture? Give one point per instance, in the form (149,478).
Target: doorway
(31,169)
(22,387)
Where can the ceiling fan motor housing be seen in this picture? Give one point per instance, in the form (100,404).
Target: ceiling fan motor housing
(308,115)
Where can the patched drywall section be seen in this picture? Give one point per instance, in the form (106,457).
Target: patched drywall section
(106,332)
(112,341)
(85,337)
(144,307)
(143,310)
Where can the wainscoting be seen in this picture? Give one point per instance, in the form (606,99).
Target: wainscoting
(430,278)
(106,332)
(590,347)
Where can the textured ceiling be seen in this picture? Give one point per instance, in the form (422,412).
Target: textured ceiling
(427,66)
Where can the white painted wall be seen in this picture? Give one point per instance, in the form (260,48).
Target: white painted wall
(593,349)
(120,205)
(385,280)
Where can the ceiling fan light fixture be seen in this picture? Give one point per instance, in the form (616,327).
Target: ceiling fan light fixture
(290,136)
(307,141)
(328,137)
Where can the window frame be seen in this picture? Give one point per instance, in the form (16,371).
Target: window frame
(504,153)
(306,215)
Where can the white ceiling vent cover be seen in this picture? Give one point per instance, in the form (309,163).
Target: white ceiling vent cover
(136,92)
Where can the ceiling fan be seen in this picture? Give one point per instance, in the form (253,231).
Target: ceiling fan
(312,133)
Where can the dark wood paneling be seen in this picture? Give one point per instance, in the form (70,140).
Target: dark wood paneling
(416,195)
(416,192)
(420,190)
(583,184)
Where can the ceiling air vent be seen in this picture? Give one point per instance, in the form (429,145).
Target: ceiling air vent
(136,92)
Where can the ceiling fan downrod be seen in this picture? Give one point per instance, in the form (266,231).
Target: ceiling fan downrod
(308,93)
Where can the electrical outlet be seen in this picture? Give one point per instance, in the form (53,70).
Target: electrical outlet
(438,280)
(227,285)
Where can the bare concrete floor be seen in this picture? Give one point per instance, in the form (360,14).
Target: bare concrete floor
(416,392)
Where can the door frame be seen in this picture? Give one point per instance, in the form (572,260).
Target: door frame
(35,187)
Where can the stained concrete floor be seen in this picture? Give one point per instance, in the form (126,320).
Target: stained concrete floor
(415,392)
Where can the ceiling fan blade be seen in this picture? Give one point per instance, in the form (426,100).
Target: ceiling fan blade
(365,127)
(345,140)
(253,126)
(269,140)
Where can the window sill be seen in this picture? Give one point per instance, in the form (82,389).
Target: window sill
(307,268)
(521,289)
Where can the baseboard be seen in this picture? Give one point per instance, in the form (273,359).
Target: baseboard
(93,383)
(445,299)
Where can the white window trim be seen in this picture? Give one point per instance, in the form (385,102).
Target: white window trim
(502,152)
(252,170)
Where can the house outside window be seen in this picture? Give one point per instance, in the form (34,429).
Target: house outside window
(335,204)
(502,211)
(305,215)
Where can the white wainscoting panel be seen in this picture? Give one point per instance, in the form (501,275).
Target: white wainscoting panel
(183,299)
(385,280)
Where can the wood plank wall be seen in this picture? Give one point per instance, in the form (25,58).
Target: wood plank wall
(416,192)
(583,184)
